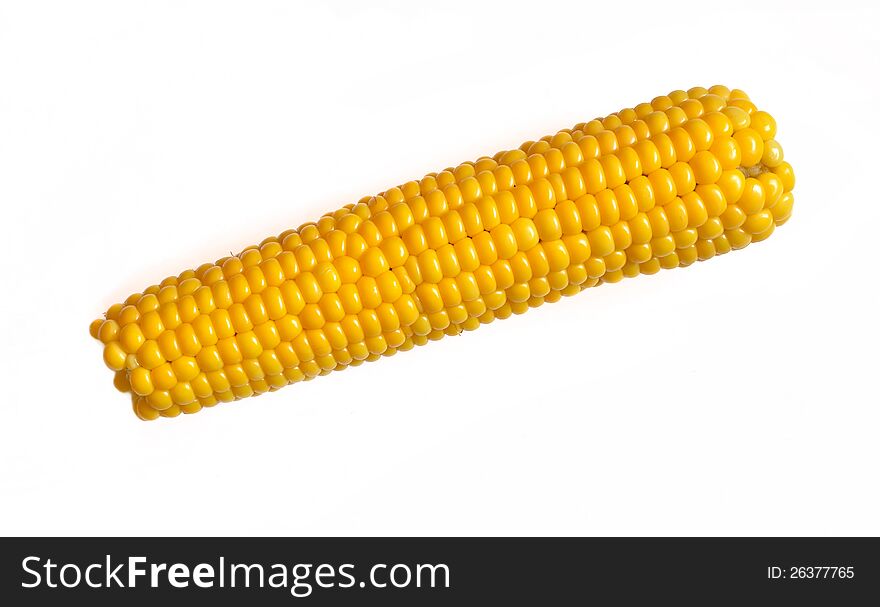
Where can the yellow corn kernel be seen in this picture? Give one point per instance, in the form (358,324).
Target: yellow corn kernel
(686,177)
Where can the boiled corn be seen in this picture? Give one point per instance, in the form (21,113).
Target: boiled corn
(683,178)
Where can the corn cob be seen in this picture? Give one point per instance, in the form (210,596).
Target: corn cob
(683,178)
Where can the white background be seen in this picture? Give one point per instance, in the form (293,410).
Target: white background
(738,396)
